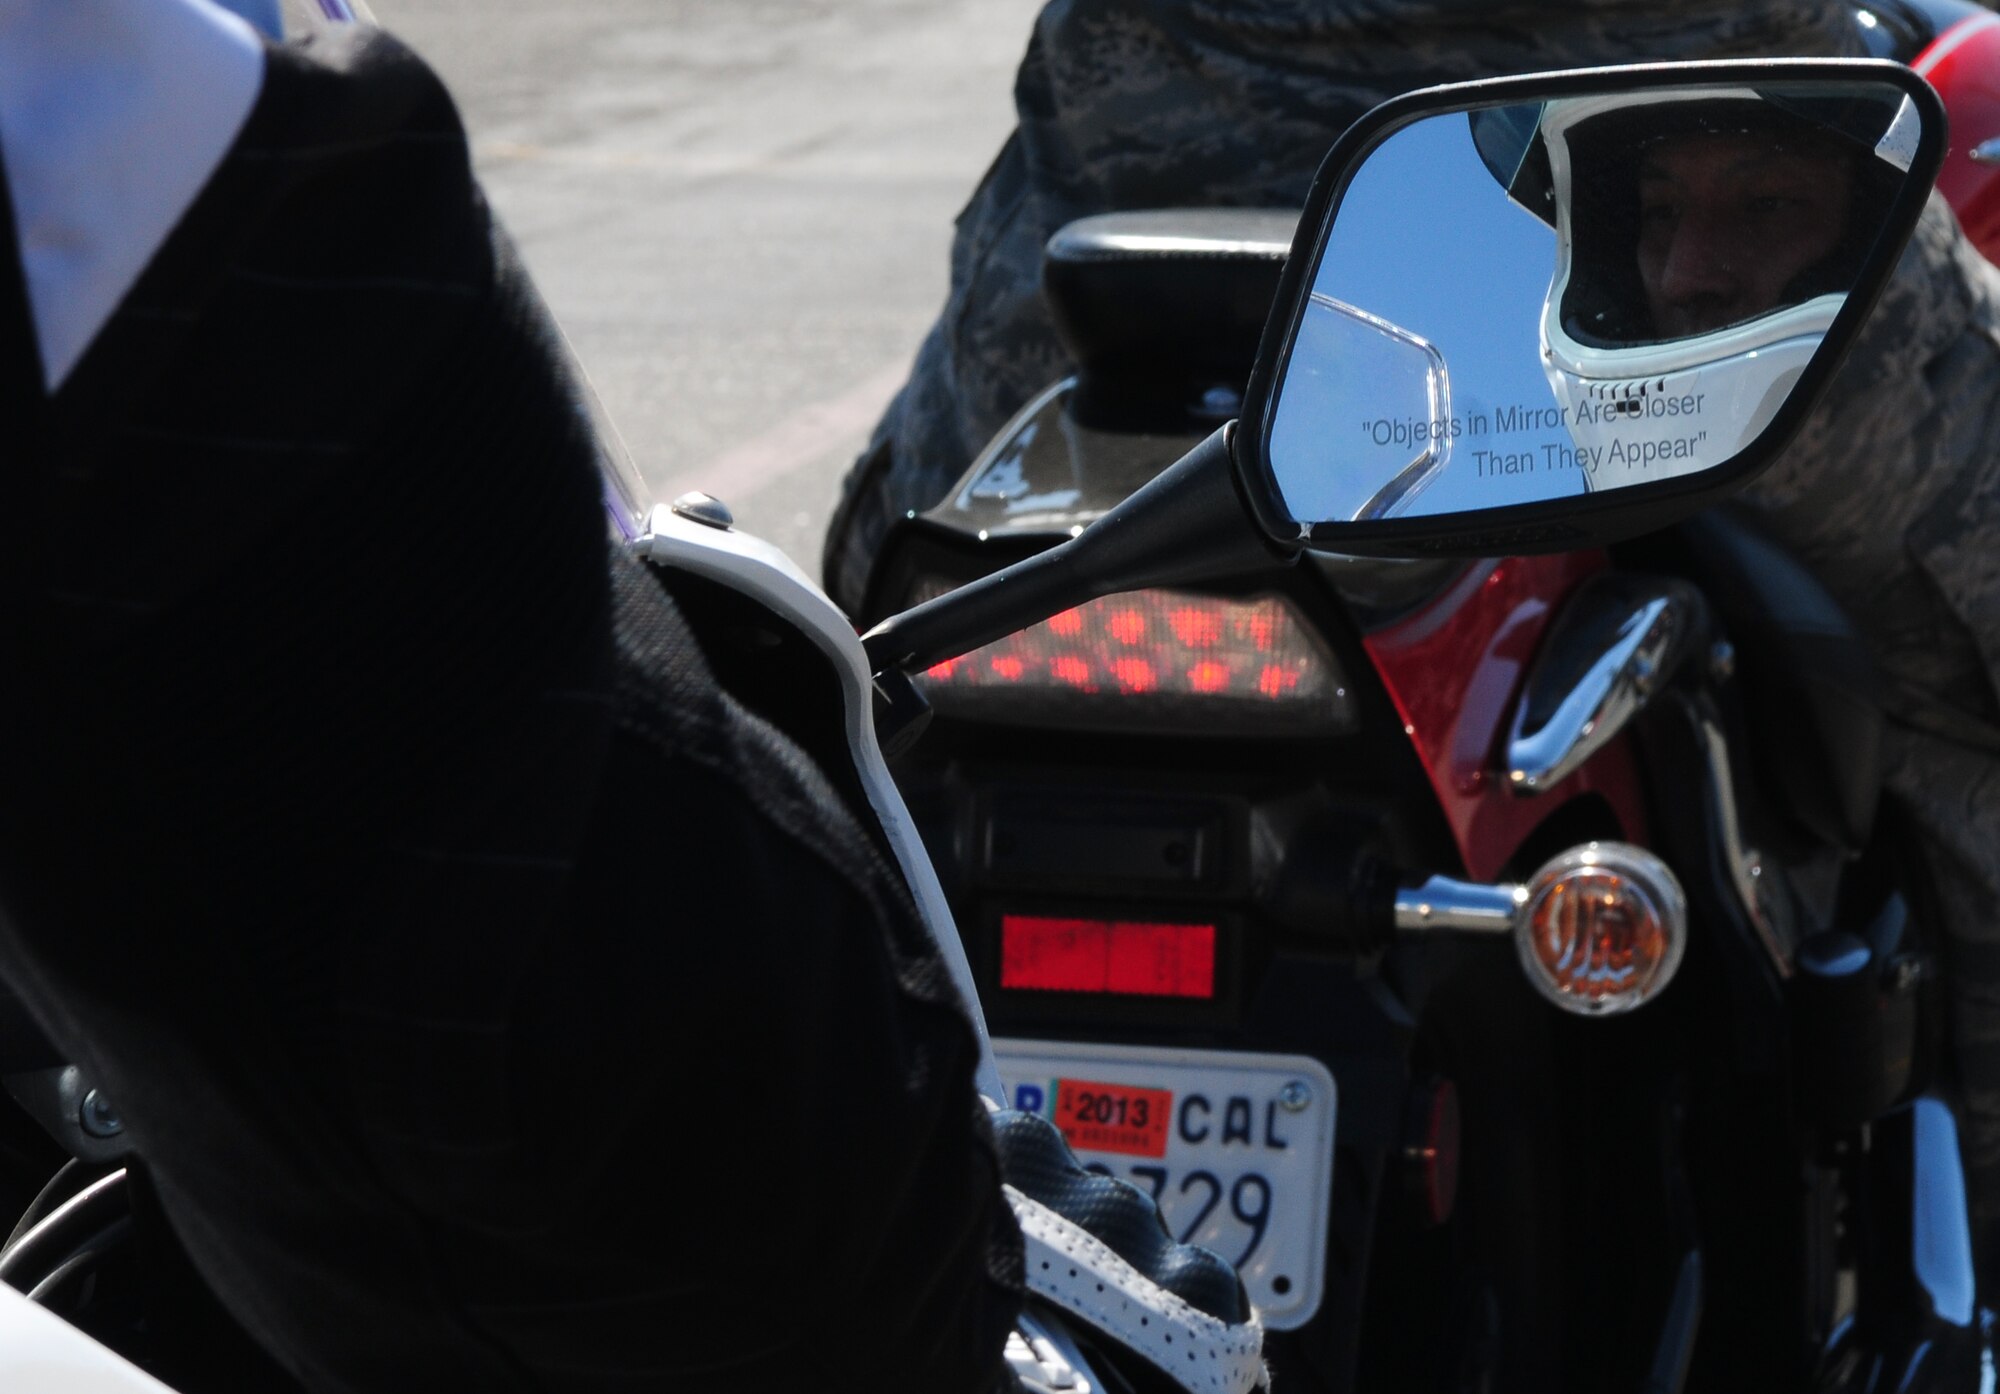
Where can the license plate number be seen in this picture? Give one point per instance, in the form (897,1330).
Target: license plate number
(1236,1148)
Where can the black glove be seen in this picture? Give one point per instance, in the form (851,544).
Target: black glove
(1098,1251)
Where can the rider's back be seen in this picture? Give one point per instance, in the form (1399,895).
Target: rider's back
(495,1002)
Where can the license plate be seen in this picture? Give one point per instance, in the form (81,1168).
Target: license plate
(1237,1149)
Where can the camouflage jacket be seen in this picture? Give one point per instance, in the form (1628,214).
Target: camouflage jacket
(1892,495)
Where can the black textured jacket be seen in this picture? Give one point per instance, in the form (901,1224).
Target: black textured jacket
(496,1001)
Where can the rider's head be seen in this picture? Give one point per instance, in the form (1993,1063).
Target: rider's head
(1734,223)
(1685,218)
(1705,240)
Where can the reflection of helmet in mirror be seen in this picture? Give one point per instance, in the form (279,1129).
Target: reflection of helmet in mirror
(1705,241)
(1686,216)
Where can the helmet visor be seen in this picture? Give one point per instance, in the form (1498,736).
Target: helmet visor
(1721,214)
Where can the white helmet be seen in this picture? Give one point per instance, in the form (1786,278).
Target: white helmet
(1642,401)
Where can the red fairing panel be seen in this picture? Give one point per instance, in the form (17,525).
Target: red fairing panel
(1963,63)
(1454,669)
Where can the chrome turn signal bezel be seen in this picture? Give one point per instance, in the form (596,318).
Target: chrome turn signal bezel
(1647,880)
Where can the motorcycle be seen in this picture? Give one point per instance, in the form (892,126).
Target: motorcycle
(1240,868)
(1240,503)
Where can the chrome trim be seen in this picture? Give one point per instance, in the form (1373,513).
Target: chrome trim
(1768,912)
(1004,449)
(1466,906)
(1043,1356)
(1198,233)
(697,507)
(1169,244)
(1609,651)
(1678,1331)
(1940,1233)
(1413,478)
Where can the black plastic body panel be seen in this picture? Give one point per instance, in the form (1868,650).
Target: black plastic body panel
(1813,694)
(1162,309)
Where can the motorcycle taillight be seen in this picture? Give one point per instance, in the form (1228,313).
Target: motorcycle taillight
(1152,660)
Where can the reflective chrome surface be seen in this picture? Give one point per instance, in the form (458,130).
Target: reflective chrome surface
(1769,912)
(1611,649)
(1044,473)
(1464,906)
(1044,1358)
(1941,1235)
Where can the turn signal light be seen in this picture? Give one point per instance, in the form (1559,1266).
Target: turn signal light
(1603,928)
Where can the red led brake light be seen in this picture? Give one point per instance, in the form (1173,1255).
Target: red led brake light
(1158,642)
(1151,661)
(1120,957)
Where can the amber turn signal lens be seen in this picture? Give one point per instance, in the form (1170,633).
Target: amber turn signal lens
(1603,928)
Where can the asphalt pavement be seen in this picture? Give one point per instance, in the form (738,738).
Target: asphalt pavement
(740,210)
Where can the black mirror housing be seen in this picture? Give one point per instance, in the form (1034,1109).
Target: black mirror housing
(1544,313)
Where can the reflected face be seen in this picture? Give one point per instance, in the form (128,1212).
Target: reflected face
(1727,221)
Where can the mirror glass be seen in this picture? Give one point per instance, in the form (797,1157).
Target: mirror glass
(1534,301)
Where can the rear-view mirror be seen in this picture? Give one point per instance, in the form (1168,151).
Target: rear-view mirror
(1531,314)
(1545,312)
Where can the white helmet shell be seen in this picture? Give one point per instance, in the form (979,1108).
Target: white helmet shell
(1635,420)
(1644,411)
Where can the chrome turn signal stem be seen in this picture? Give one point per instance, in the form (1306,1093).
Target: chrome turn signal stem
(1599,930)
(1465,907)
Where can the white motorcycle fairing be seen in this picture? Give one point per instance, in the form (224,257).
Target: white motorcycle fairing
(1067,1266)
(757,569)
(40,1353)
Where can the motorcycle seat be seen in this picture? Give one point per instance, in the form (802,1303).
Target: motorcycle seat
(1812,695)
(1164,307)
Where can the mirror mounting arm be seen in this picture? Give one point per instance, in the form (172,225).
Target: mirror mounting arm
(1190,524)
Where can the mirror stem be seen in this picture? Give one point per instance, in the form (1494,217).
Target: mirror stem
(1188,524)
